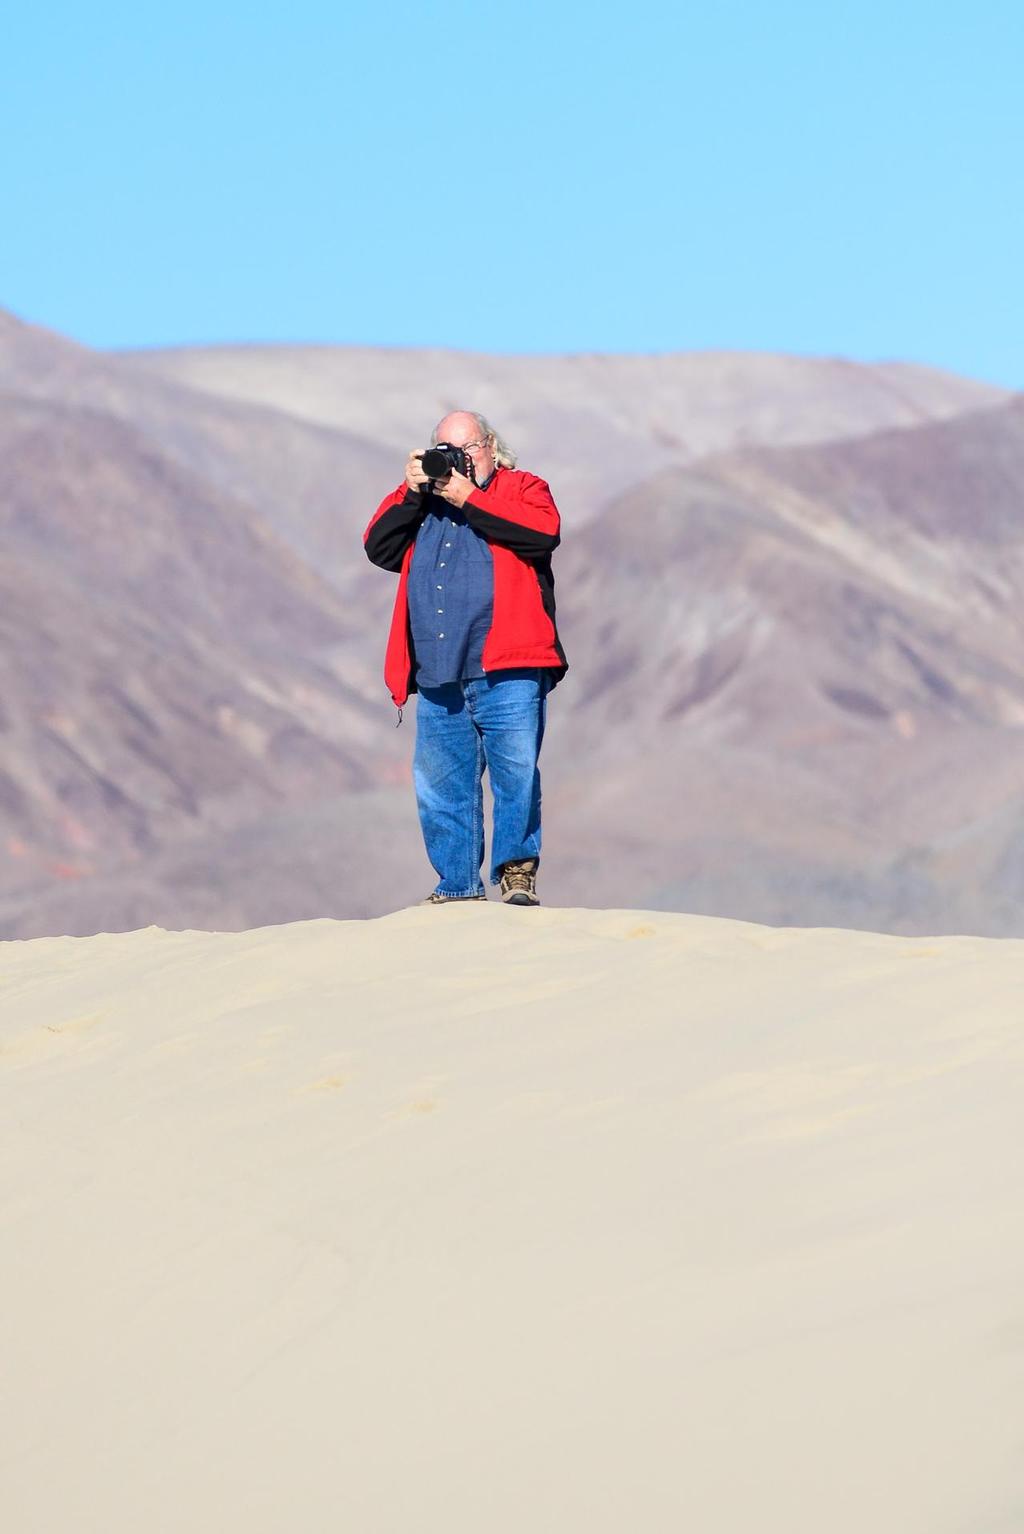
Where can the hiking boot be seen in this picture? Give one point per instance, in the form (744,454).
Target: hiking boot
(435,899)
(519,883)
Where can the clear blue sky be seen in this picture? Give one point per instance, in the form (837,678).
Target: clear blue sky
(537,177)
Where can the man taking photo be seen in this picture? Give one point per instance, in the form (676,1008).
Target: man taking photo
(473,633)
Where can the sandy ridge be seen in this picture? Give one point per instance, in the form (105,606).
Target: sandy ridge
(480,1218)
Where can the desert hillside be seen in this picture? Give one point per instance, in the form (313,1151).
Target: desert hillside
(592,424)
(789,589)
(459,1219)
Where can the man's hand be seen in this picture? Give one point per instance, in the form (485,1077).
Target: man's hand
(414,475)
(456,489)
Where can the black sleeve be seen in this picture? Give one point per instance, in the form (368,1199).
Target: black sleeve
(391,533)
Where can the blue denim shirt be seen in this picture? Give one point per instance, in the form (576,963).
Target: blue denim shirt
(451,596)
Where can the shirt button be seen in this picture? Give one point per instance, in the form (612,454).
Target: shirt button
(440,636)
(442,564)
(447,545)
(439,585)
(440,609)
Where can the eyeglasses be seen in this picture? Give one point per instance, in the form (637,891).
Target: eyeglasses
(473,447)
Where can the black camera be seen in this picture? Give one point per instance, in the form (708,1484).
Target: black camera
(438,462)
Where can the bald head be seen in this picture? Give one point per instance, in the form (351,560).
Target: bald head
(465,429)
(460,427)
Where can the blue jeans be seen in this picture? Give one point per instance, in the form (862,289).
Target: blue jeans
(496,722)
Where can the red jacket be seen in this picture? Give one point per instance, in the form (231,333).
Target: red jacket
(520,522)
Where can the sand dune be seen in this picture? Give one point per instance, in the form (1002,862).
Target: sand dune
(501,1220)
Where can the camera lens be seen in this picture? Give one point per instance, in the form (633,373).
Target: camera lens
(436,464)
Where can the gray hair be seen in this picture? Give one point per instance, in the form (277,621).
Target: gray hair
(504,457)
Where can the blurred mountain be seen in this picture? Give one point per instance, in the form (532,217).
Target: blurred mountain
(168,663)
(790,590)
(593,425)
(308,481)
(799,682)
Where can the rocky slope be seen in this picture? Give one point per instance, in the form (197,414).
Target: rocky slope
(796,670)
